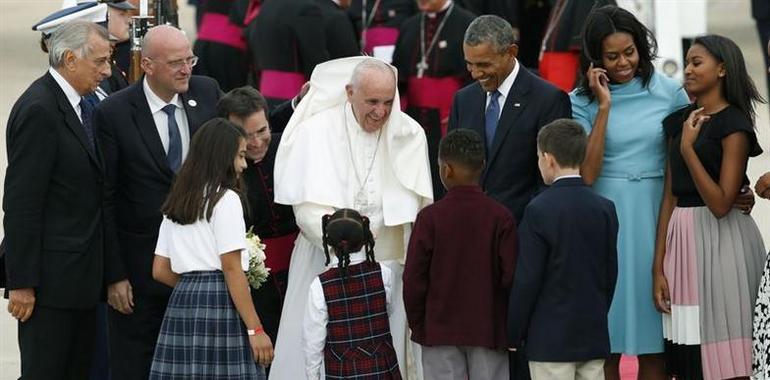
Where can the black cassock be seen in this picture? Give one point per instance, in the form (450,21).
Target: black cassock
(383,20)
(428,97)
(220,45)
(341,38)
(287,40)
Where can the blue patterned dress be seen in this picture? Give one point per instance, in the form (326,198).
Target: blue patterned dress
(632,177)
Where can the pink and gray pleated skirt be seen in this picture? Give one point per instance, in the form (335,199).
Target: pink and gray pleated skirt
(713,268)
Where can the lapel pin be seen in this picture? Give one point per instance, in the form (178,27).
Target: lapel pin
(442,44)
(517,104)
(391,13)
(192,103)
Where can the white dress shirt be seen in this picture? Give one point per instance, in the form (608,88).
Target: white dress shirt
(316,317)
(505,87)
(72,96)
(567,176)
(161,118)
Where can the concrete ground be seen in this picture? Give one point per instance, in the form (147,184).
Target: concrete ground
(21,62)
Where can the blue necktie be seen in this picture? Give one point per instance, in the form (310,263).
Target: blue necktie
(174,155)
(491,117)
(87,104)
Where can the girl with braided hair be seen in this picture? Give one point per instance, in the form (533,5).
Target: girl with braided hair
(346,319)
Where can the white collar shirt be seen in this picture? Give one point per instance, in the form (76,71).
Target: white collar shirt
(72,95)
(505,87)
(161,118)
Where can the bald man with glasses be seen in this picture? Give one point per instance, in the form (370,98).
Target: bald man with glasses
(145,133)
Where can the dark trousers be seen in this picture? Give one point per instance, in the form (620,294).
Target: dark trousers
(100,367)
(518,365)
(57,344)
(133,337)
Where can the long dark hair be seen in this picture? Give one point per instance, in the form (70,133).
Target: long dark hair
(737,86)
(602,22)
(346,231)
(206,173)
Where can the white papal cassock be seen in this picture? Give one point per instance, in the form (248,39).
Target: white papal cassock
(323,164)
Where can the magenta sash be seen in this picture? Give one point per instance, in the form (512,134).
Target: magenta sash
(379,36)
(280,84)
(436,93)
(217,27)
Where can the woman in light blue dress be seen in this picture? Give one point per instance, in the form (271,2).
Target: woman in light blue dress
(621,103)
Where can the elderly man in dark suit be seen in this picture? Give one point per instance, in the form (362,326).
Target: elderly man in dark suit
(145,131)
(507,105)
(54,203)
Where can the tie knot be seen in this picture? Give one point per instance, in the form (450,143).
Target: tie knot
(169,109)
(495,95)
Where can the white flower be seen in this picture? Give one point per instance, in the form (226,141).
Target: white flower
(258,272)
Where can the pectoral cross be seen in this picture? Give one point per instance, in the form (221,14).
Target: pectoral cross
(421,67)
(360,201)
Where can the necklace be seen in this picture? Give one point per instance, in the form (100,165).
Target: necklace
(365,22)
(360,201)
(423,64)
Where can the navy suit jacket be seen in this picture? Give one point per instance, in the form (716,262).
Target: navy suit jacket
(138,176)
(511,176)
(565,275)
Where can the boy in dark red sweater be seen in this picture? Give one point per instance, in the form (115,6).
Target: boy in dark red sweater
(459,269)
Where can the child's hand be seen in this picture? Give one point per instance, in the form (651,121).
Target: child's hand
(261,348)
(691,127)
(660,293)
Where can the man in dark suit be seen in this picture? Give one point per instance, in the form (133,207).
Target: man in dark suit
(567,266)
(508,105)
(145,132)
(54,202)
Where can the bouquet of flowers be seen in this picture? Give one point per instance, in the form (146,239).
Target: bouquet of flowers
(258,272)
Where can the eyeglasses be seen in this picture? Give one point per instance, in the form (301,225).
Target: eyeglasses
(179,63)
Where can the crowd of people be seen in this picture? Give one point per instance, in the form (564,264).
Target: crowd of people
(431,208)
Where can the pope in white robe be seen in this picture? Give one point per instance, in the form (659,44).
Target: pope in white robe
(348,145)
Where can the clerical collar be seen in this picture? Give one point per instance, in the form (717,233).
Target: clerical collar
(443,9)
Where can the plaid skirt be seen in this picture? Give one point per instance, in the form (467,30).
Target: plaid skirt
(202,336)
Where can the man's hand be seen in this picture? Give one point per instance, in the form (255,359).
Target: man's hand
(21,302)
(120,296)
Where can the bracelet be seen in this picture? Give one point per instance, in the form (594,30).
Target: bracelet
(253,332)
